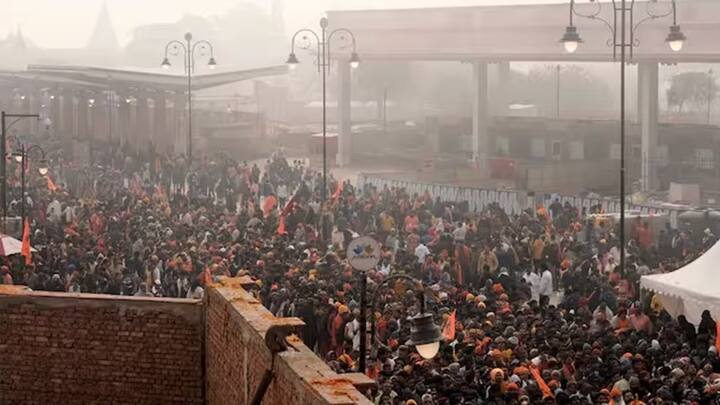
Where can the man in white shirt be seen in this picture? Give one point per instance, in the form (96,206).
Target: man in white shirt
(546,286)
(54,211)
(352,331)
(460,233)
(421,251)
(533,278)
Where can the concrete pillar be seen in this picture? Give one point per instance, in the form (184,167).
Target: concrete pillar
(132,124)
(180,134)
(648,117)
(161,133)
(501,89)
(65,126)
(480,142)
(81,117)
(142,109)
(33,101)
(432,133)
(123,119)
(100,128)
(343,114)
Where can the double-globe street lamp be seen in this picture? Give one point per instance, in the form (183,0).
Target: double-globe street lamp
(188,48)
(4,153)
(625,10)
(323,41)
(22,156)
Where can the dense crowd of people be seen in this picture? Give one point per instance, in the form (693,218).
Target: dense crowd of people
(542,313)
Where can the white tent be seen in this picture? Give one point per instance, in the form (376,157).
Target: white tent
(691,289)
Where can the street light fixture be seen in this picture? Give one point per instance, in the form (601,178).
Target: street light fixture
(43,169)
(571,39)
(189,48)
(354,60)
(424,333)
(323,41)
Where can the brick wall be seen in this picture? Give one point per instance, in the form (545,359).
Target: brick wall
(69,349)
(93,349)
(237,357)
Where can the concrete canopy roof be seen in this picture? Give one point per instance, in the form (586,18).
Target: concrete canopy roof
(526,32)
(94,77)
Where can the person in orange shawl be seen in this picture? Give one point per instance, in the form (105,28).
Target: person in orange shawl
(337,328)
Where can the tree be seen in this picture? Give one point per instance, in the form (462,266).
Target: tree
(691,88)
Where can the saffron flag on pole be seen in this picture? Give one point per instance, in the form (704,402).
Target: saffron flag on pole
(25,250)
(338,191)
(268,205)
(546,391)
(281,226)
(717,336)
(51,185)
(449,328)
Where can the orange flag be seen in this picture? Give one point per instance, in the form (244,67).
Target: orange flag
(281,226)
(717,336)
(338,191)
(51,185)
(547,393)
(25,250)
(268,205)
(449,328)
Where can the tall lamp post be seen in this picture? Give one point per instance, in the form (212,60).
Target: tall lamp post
(557,91)
(424,333)
(711,94)
(323,41)
(625,10)
(3,152)
(22,156)
(188,48)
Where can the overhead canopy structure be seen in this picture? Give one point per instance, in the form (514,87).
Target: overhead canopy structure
(142,78)
(523,32)
(690,290)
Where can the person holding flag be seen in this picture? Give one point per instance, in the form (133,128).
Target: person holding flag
(26,249)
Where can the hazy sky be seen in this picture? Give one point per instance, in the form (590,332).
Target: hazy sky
(68,23)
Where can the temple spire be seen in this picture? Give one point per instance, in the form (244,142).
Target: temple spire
(103,36)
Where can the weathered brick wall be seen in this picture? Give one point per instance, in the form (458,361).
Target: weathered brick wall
(89,349)
(237,357)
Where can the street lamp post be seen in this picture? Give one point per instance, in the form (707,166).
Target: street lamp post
(424,333)
(3,152)
(711,94)
(557,91)
(173,48)
(619,40)
(22,156)
(323,61)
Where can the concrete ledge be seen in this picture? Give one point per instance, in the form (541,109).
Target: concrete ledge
(13,295)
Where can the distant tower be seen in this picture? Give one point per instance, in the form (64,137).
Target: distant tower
(278,15)
(19,40)
(103,36)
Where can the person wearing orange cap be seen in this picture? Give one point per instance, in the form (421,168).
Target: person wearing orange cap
(498,386)
(337,331)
